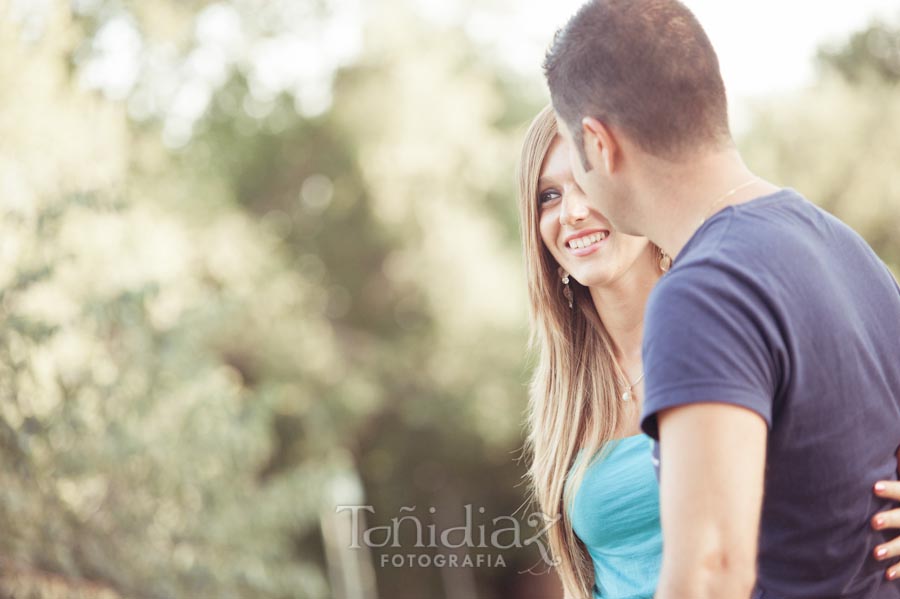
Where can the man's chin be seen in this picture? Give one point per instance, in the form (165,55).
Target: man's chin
(623,226)
(628,230)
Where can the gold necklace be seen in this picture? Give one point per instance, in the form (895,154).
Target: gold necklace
(726,196)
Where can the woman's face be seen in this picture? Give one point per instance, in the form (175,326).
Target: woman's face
(577,235)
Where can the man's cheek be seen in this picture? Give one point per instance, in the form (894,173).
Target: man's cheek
(581,177)
(576,167)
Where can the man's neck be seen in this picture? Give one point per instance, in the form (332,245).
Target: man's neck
(685,195)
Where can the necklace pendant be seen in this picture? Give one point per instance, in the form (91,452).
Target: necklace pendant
(626,396)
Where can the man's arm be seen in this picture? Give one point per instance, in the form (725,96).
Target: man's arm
(711,486)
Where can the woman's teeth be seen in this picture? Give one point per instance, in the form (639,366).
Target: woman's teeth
(583,242)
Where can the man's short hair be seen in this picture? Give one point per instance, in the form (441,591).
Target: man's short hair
(645,66)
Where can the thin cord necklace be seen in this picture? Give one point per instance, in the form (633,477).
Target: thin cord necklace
(726,196)
(628,393)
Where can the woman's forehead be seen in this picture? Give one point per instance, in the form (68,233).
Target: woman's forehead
(556,161)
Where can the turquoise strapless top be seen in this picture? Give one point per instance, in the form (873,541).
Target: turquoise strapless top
(616,515)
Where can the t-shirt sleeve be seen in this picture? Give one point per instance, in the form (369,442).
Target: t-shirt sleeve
(709,337)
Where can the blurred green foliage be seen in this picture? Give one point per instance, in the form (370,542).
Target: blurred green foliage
(837,141)
(202,338)
(873,51)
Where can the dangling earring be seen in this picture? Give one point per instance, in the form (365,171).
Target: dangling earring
(665,260)
(567,291)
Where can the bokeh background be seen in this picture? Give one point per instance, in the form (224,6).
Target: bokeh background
(259,259)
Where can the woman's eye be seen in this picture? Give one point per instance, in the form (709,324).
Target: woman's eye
(548,196)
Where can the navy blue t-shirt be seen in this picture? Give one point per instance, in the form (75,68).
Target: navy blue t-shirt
(779,307)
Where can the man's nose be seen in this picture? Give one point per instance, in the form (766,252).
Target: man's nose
(573,209)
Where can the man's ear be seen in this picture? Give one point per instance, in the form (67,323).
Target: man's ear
(600,145)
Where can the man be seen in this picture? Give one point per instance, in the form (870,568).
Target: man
(771,348)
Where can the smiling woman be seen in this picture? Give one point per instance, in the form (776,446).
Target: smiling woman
(574,232)
(588,369)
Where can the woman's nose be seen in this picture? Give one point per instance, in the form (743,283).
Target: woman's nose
(573,209)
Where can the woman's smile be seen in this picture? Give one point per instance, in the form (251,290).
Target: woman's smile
(586,242)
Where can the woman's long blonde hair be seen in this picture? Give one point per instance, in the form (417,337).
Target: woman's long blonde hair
(574,390)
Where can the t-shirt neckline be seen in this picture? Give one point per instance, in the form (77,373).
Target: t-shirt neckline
(732,208)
